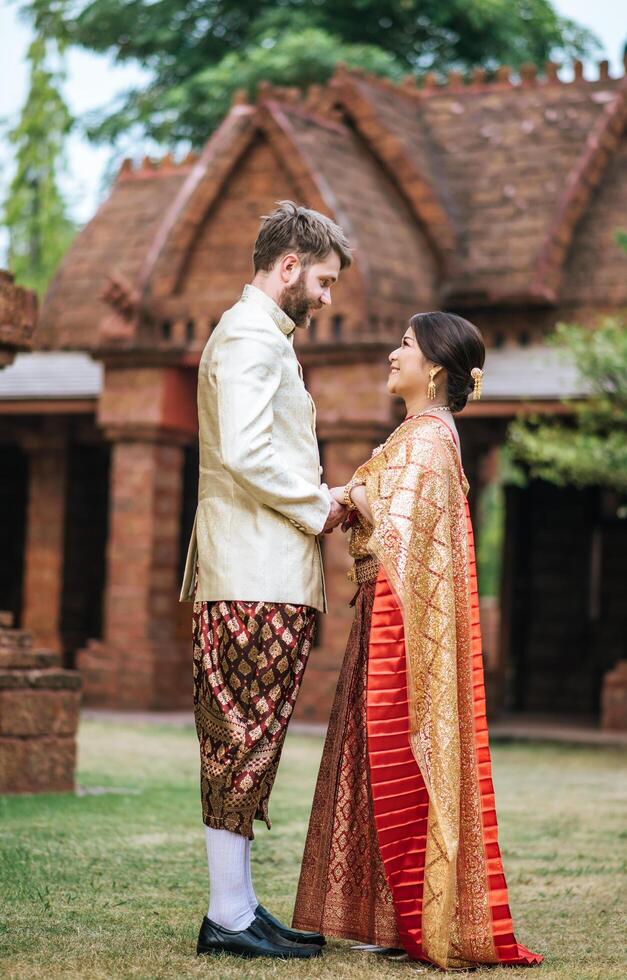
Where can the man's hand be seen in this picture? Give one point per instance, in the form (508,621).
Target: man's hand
(337,513)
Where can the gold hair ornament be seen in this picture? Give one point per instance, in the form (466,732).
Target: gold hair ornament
(477,375)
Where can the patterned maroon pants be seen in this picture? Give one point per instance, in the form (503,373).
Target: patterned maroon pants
(249,661)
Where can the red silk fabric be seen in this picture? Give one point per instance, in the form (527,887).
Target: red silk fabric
(399,796)
(400,799)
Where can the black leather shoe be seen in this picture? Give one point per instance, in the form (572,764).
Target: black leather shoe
(250,942)
(292,935)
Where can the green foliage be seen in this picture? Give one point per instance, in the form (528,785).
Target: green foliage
(590,449)
(34,211)
(199,52)
(190,109)
(491,527)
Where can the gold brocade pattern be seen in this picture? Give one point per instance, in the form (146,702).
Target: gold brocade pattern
(249,662)
(342,889)
(416,492)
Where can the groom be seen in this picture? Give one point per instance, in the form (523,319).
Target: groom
(254,568)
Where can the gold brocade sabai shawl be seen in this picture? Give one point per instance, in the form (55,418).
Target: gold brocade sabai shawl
(422,537)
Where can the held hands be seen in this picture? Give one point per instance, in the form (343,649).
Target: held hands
(337,513)
(338,494)
(359,499)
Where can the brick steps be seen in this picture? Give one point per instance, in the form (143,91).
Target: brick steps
(39,712)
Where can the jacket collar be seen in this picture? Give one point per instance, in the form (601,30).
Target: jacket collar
(253,295)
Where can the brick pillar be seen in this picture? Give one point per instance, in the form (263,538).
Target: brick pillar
(614,699)
(140,662)
(341,459)
(45,530)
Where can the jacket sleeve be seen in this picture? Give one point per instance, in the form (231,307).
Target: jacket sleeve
(248,374)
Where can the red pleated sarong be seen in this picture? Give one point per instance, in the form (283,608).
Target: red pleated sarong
(400,799)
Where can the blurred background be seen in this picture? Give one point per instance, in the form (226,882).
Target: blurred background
(475,155)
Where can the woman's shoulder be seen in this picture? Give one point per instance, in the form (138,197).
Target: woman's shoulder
(432,443)
(429,432)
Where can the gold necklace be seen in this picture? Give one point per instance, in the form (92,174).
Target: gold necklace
(429,411)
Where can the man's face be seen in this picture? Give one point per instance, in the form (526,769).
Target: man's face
(311,289)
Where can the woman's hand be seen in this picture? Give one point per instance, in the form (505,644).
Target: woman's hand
(360,500)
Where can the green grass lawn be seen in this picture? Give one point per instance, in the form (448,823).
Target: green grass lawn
(112,883)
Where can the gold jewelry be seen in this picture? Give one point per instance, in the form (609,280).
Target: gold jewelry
(436,408)
(431,385)
(477,375)
(355,482)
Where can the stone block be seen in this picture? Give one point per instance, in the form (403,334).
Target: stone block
(54,679)
(36,712)
(15,640)
(24,660)
(39,712)
(37,765)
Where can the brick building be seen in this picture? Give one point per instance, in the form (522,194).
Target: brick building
(497,200)
(18,312)
(39,701)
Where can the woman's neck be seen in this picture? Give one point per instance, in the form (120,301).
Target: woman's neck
(421,403)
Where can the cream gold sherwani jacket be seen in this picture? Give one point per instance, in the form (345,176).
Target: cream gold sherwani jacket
(260,503)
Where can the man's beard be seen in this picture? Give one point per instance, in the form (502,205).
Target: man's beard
(296,302)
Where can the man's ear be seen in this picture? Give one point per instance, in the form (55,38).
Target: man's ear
(289,268)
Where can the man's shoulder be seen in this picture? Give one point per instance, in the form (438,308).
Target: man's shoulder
(248,321)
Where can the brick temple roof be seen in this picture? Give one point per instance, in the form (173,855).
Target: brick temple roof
(471,190)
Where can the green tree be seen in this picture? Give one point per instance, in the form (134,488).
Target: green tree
(590,449)
(35,211)
(199,51)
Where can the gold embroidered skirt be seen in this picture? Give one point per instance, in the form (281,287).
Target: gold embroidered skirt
(249,662)
(343,890)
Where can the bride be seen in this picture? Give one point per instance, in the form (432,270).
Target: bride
(402,848)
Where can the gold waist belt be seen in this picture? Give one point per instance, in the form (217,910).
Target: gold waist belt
(364,570)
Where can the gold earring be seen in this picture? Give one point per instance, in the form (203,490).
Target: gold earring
(477,375)
(431,385)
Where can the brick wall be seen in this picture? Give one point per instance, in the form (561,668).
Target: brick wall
(140,662)
(39,705)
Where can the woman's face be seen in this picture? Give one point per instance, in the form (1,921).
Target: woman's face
(409,369)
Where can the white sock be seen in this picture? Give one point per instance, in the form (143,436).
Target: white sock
(253,901)
(229,906)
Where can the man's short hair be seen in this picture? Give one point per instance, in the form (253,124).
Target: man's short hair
(308,233)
